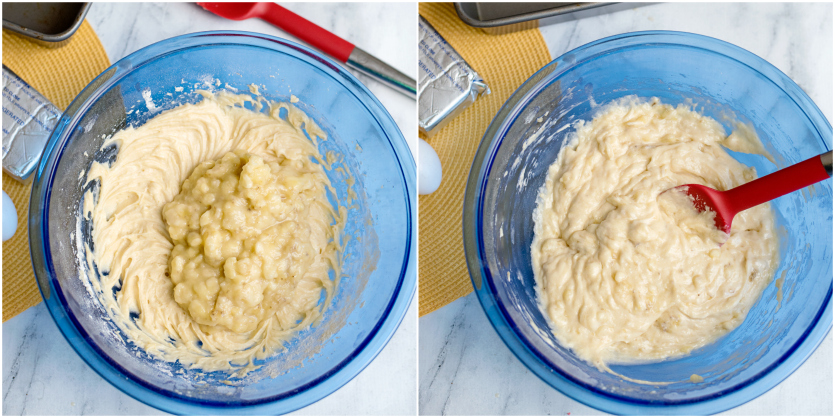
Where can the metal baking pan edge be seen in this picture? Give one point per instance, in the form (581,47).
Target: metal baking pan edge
(50,40)
(462,14)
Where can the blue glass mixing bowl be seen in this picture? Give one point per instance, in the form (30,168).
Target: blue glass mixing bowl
(379,257)
(511,164)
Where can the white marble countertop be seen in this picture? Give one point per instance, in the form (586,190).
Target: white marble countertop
(42,375)
(465,368)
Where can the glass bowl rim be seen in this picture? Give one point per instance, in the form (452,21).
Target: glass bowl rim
(108,369)
(483,282)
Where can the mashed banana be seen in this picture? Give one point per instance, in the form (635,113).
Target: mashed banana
(627,273)
(240,245)
(213,232)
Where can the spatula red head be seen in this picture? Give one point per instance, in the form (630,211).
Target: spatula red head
(232,11)
(705,198)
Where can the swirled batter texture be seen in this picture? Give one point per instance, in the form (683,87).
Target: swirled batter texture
(214,232)
(627,273)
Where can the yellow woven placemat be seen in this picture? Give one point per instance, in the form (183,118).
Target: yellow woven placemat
(505,62)
(59,74)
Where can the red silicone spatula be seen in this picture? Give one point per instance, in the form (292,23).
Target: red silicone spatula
(730,202)
(319,38)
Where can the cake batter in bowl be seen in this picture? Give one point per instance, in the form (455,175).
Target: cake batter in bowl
(372,192)
(718,80)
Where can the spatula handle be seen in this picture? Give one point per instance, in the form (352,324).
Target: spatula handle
(781,182)
(307,31)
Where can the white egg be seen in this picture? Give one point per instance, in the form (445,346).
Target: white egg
(9,217)
(429,168)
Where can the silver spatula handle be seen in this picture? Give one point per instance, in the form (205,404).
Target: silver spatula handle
(826,160)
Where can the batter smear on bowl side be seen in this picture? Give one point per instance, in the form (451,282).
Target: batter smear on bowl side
(627,273)
(214,233)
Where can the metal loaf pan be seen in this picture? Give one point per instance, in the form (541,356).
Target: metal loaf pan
(502,18)
(49,24)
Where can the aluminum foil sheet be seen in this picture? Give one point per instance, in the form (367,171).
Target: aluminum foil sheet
(28,121)
(446,83)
